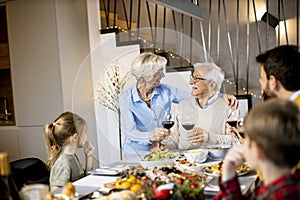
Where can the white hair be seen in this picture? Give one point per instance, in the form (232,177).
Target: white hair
(146,65)
(211,73)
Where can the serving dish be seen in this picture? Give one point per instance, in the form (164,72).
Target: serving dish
(218,151)
(196,155)
(215,169)
(187,165)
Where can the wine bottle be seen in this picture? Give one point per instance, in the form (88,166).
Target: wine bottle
(8,189)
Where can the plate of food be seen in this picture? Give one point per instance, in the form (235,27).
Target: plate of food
(159,158)
(185,164)
(215,169)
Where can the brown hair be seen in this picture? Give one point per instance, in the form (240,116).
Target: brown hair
(56,134)
(275,126)
(283,63)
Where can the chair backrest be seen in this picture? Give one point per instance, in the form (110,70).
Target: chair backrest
(245,103)
(29,171)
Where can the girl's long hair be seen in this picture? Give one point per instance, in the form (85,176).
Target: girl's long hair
(56,134)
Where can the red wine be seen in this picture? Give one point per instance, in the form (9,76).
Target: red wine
(232,123)
(188,126)
(168,124)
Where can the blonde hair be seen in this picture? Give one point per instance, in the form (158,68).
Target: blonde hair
(146,64)
(56,134)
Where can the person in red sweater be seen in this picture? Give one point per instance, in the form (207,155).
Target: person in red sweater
(272,146)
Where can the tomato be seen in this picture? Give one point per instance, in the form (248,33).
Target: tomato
(154,186)
(179,181)
(161,194)
(193,186)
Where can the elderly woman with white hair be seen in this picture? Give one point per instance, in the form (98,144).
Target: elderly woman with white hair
(142,106)
(208,108)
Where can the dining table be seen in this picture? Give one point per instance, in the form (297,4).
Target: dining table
(95,181)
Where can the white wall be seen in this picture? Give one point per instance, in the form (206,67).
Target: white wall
(49,42)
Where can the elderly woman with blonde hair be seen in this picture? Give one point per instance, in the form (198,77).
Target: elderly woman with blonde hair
(143,105)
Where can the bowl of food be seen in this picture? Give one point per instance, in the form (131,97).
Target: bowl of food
(196,155)
(218,151)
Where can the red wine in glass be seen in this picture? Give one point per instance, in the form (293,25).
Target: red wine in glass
(168,124)
(188,126)
(232,123)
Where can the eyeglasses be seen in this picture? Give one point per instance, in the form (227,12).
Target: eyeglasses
(195,78)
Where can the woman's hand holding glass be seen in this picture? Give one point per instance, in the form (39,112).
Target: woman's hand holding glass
(159,134)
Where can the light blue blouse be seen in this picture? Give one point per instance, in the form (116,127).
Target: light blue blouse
(137,119)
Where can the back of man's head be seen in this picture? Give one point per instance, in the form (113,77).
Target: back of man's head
(275,126)
(283,63)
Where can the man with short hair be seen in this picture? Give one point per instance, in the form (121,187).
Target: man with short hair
(279,74)
(208,111)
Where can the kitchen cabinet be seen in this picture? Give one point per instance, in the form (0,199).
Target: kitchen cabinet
(6,93)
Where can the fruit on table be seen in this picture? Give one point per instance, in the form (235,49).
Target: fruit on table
(131,183)
(123,185)
(69,190)
(131,179)
(136,187)
(161,194)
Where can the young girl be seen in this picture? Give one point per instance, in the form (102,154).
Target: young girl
(67,133)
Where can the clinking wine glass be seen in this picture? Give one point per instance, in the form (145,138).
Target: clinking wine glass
(240,127)
(168,120)
(188,121)
(232,117)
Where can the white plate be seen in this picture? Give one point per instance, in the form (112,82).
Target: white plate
(196,166)
(157,162)
(217,175)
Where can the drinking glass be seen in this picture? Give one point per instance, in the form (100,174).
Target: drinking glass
(168,120)
(188,121)
(240,127)
(232,117)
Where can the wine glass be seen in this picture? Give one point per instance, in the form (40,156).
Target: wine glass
(188,121)
(168,120)
(232,117)
(240,127)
